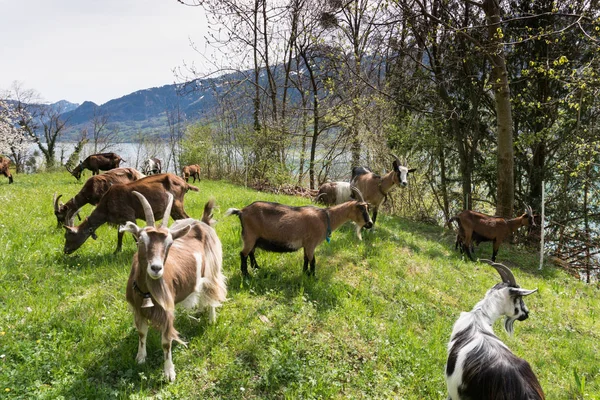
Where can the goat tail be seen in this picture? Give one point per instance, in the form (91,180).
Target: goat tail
(208,212)
(234,211)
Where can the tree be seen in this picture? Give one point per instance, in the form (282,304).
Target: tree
(14,142)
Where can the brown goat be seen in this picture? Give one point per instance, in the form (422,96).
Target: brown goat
(280,228)
(92,191)
(191,170)
(476,227)
(375,188)
(181,264)
(119,205)
(97,162)
(4,168)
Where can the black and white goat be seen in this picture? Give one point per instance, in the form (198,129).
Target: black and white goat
(480,365)
(281,228)
(181,264)
(375,188)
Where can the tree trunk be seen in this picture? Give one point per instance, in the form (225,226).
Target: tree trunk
(505,167)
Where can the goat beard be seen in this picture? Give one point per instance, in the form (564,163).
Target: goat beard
(508,325)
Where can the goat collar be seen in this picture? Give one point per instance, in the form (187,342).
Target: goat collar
(147,302)
(328,235)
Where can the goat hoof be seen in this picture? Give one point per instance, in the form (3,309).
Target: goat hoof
(170,375)
(140,359)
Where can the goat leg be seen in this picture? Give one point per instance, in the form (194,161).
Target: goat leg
(142,327)
(375,209)
(305,266)
(244,265)
(119,241)
(253,262)
(467,249)
(312,266)
(169,368)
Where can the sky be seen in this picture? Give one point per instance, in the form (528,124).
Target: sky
(96,50)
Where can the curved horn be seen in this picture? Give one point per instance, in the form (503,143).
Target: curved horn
(358,193)
(165,220)
(316,200)
(505,273)
(396,158)
(529,210)
(55,201)
(147,208)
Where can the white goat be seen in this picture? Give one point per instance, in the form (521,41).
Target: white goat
(181,264)
(479,365)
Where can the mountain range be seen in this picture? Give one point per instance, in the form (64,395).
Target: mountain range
(143,111)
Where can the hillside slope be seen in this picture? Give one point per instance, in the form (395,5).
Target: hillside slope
(373,323)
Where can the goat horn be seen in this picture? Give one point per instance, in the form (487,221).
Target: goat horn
(396,158)
(55,201)
(505,273)
(358,193)
(147,208)
(165,221)
(529,210)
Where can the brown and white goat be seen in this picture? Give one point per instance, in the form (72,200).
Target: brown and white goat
(479,364)
(92,191)
(4,168)
(119,205)
(331,193)
(281,228)
(191,170)
(478,227)
(181,264)
(97,162)
(375,188)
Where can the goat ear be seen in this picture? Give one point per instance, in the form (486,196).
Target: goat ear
(412,170)
(131,228)
(92,233)
(176,234)
(520,292)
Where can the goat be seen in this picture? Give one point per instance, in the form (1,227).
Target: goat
(331,193)
(191,170)
(280,228)
(478,227)
(181,264)
(119,205)
(4,168)
(152,166)
(376,188)
(95,163)
(91,193)
(480,365)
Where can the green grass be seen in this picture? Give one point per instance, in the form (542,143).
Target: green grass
(372,324)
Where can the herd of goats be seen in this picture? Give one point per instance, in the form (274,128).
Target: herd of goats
(182,264)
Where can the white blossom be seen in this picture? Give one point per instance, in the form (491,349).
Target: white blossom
(13,139)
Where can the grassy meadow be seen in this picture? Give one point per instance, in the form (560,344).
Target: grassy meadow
(372,324)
